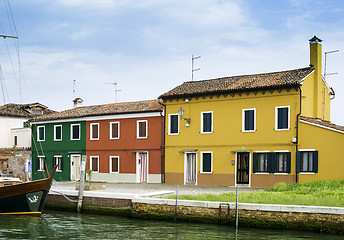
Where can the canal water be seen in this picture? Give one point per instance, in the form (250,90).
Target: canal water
(67,225)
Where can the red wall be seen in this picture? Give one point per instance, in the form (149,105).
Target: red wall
(126,146)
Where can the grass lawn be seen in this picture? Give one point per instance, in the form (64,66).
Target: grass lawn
(314,193)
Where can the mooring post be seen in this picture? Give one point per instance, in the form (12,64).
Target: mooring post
(175,215)
(236,209)
(82,181)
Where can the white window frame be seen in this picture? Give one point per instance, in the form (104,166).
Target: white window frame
(260,173)
(110,159)
(91,160)
(58,169)
(276,118)
(91,131)
(138,129)
(71,131)
(281,173)
(243,119)
(211,161)
(41,163)
(212,122)
(111,127)
(55,126)
(169,123)
(38,135)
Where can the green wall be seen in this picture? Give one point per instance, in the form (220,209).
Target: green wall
(49,148)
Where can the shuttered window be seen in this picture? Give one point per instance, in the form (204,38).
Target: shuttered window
(206,163)
(114,130)
(94,131)
(114,164)
(272,162)
(57,160)
(282,118)
(307,161)
(142,129)
(94,163)
(207,122)
(248,121)
(40,165)
(173,124)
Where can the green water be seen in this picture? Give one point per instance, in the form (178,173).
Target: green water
(66,225)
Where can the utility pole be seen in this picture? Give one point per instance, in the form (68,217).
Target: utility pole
(192,68)
(116,90)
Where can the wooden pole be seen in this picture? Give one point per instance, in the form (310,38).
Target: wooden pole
(82,181)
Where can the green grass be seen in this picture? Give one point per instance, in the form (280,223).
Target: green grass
(314,193)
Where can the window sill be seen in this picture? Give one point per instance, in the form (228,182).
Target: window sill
(278,130)
(281,173)
(113,138)
(307,173)
(248,131)
(141,137)
(75,139)
(206,132)
(171,134)
(206,172)
(94,139)
(57,140)
(262,173)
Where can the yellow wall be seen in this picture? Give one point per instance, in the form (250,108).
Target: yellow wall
(329,144)
(227,137)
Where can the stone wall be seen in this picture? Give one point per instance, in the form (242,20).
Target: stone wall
(16,159)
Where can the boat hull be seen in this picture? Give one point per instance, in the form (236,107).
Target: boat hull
(25,198)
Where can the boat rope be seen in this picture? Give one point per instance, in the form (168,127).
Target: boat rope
(64,195)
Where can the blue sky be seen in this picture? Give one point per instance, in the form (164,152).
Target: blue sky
(146,45)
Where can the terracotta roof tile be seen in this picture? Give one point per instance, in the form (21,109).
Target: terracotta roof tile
(239,83)
(322,123)
(22,110)
(105,109)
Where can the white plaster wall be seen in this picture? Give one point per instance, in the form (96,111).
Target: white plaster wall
(23,136)
(6,124)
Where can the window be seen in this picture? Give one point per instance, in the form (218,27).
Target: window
(57,160)
(15,140)
(114,130)
(173,124)
(114,164)
(271,162)
(142,129)
(94,131)
(75,132)
(40,133)
(282,118)
(57,132)
(206,162)
(207,122)
(94,163)
(307,161)
(249,120)
(40,163)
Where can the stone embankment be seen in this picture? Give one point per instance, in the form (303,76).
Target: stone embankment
(320,219)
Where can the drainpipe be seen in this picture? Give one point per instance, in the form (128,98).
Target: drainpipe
(162,147)
(297,134)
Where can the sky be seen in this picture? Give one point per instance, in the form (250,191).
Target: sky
(146,46)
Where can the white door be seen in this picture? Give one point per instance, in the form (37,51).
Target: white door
(190,168)
(142,167)
(75,167)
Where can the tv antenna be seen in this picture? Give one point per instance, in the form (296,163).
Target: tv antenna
(192,68)
(325,71)
(116,90)
(74,81)
(6,36)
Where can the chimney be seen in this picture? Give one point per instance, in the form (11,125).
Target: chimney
(78,102)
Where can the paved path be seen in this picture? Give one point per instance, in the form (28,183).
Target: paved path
(148,189)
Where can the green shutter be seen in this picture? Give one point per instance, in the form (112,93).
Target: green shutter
(255,162)
(206,162)
(272,162)
(37,164)
(174,124)
(288,162)
(315,161)
(298,161)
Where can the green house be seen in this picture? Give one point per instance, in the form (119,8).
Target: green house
(57,142)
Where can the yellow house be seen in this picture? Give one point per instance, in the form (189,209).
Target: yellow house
(253,130)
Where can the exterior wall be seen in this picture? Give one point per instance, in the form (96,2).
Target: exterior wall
(50,148)
(126,148)
(329,144)
(6,124)
(227,138)
(15,158)
(23,137)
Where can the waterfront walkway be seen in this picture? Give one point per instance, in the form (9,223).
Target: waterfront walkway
(134,190)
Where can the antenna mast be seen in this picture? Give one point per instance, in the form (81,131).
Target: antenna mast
(192,68)
(116,90)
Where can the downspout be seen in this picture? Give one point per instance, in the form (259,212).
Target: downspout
(297,134)
(162,147)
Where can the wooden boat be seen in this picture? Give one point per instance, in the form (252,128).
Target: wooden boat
(24,198)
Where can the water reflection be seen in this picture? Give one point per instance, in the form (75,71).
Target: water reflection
(66,225)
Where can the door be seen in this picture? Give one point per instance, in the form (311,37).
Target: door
(142,167)
(190,168)
(243,160)
(75,167)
